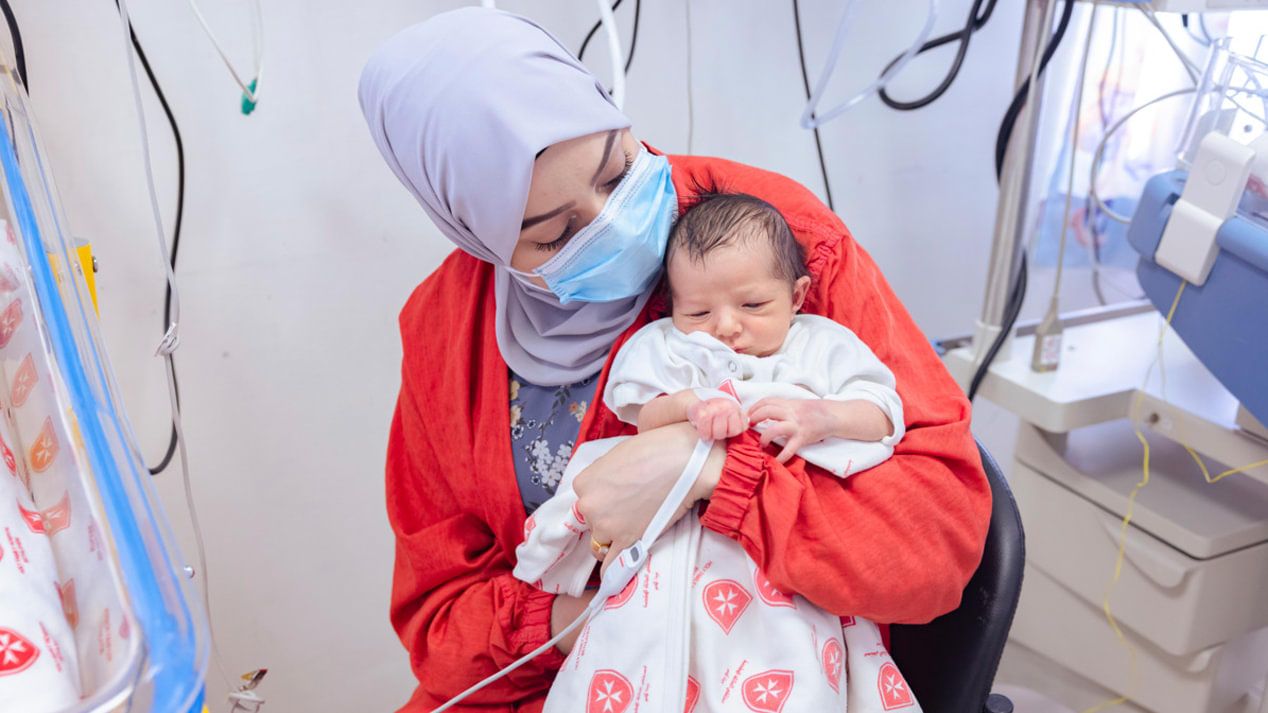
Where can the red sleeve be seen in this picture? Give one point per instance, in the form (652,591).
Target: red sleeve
(456,607)
(897,543)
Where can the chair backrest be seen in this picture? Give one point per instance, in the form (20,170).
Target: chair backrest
(950,662)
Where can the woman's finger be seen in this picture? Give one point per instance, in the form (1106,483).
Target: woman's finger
(598,544)
(614,551)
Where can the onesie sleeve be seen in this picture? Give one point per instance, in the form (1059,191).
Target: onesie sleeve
(645,368)
(855,373)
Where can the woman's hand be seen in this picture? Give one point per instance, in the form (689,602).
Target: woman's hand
(621,491)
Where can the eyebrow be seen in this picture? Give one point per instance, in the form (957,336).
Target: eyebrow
(530,222)
(607,153)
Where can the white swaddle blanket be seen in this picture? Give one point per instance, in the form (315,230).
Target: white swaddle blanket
(38,666)
(66,605)
(700,628)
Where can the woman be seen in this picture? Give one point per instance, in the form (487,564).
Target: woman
(514,150)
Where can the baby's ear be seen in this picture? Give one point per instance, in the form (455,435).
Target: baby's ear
(801,288)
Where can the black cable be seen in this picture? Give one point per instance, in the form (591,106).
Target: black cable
(581,53)
(973,24)
(1016,297)
(176,230)
(19,52)
(805,81)
(1019,100)
(1017,294)
(638,8)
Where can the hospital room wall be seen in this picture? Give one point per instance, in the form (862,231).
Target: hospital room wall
(299,248)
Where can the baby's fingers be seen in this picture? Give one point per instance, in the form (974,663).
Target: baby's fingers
(767,410)
(704,428)
(721,424)
(775,430)
(790,449)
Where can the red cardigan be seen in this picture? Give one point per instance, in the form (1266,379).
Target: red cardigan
(895,544)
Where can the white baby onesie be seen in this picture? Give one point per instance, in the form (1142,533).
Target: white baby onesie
(819,359)
(700,628)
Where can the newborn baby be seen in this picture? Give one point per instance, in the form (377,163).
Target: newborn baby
(701,626)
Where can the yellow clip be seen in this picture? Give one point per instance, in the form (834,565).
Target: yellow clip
(88,265)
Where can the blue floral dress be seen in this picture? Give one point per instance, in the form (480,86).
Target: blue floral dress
(545,422)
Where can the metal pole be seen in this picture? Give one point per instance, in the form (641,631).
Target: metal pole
(1014,186)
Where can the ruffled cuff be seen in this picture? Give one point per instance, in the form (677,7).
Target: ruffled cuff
(533,629)
(743,470)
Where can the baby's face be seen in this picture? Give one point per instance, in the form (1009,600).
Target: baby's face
(735,296)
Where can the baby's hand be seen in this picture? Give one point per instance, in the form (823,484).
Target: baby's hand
(717,418)
(800,421)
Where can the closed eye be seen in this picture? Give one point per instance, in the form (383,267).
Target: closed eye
(625,171)
(560,241)
(698,315)
(756,305)
(569,230)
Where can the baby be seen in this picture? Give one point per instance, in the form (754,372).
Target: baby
(701,628)
(737,279)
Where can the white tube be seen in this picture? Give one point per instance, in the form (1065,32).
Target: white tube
(614,53)
(614,580)
(810,118)
(171,338)
(243,85)
(590,611)
(1099,154)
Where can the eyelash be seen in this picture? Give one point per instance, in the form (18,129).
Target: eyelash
(567,233)
(625,170)
(747,305)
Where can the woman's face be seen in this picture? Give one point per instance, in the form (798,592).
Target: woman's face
(571,182)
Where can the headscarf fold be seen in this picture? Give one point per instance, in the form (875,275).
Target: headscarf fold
(459,106)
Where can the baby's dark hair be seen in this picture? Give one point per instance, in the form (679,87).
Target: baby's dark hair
(719,219)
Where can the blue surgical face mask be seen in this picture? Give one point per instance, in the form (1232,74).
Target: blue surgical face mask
(620,253)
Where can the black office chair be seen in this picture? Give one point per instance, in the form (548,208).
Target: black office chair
(950,662)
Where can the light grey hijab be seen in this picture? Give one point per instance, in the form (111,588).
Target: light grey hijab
(459,106)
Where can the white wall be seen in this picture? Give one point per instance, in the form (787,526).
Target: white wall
(300,247)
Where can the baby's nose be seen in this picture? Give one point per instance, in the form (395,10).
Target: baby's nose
(727,327)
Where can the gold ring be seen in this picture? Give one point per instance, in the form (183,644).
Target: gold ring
(598,548)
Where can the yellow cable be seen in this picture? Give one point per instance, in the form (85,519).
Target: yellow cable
(1131,502)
